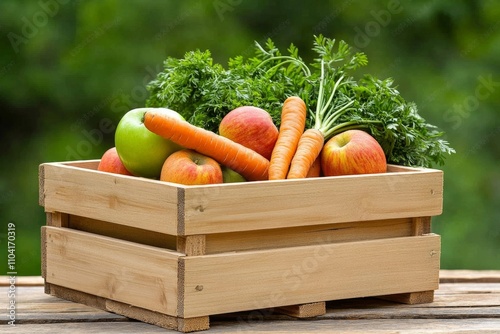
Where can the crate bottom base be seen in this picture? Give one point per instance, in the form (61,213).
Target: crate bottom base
(186,325)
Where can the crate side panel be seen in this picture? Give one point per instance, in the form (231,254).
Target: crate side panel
(261,279)
(131,273)
(308,235)
(288,203)
(118,199)
(88,164)
(141,236)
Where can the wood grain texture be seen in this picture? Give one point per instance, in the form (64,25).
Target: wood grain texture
(191,245)
(412,298)
(421,225)
(308,235)
(122,232)
(306,274)
(469,276)
(41,185)
(302,311)
(302,202)
(136,274)
(131,201)
(22,280)
(57,219)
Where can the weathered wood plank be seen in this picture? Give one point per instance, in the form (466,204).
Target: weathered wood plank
(97,327)
(477,276)
(362,326)
(470,288)
(22,280)
(359,326)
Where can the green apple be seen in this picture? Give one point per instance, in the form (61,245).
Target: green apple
(142,151)
(230,176)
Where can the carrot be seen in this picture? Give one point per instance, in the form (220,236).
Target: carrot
(293,121)
(312,140)
(309,147)
(315,170)
(251,165)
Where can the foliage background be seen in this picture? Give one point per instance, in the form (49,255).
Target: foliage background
(70,69)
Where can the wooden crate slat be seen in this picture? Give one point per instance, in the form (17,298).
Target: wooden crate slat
(316,201)
(130,201)
(123,232)
(309,274)
(180,210)
(308,235)
(127,272)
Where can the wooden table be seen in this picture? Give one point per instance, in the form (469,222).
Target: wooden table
(466,302)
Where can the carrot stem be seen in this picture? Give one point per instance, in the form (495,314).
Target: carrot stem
(304,67)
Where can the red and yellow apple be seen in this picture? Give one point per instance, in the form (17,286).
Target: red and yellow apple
(352,152)
(189,167)
(111,163)
(251,127)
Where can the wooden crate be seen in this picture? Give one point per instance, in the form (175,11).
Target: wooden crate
(173,255)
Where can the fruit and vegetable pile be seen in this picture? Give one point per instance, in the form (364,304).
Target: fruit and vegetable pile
(271,117)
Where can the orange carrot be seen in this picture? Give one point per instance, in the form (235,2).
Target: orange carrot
(293,121)
(251,165)
(315,170)
(312,140)
(310,145)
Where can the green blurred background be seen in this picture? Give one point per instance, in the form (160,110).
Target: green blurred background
(68,68)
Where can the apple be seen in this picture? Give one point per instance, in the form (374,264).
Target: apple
(142,151)
(251,127)
(230,176)
(352,152)
(111,163)
(189,167)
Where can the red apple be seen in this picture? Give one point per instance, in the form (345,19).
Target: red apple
(110,162)
(189,167)
(352,152)
(251,127)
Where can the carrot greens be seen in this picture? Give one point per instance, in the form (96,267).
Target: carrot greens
(204,92)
